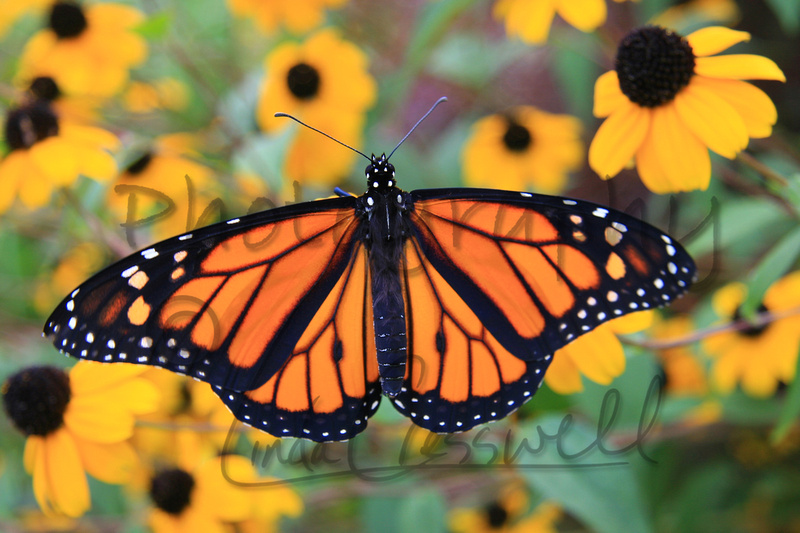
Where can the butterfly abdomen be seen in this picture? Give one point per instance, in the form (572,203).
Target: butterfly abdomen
(390,330)
(384,208)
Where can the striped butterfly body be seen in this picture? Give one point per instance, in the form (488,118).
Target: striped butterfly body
(450,302)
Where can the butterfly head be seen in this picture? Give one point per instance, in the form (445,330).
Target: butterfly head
(380,174)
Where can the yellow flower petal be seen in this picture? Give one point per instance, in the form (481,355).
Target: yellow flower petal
(758,381)
(738,67)
(681,158)
(784,293)
(61,481)
(108,462)
(727,299)
(136,396)
(12,172)
(30,455)
(632,323)
(89,135)
(96,421)
(530,21)
(607,95)
(586,15)
(617,140)
(726,372)
(563,376)
(56,160)
(35,189)
(598,355)
(216,495)
(715,39)
(751,103)
(114,16)
(88,377)
(712,120)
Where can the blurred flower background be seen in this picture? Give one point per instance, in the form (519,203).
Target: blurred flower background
(128,122)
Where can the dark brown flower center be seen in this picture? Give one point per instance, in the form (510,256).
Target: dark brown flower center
(25,126)
(171,490)
(496,515)
(653,65)
(67,19)
(517,137)
(754,330)
(303,81)
(45,88)
(36,398)
(139,166)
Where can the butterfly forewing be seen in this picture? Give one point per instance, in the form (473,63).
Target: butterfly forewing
(226,304)
(539,271)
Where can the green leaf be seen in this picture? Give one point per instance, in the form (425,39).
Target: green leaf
(425,506)
(772,266)
(788,14)
(155,27)
(600,491)
(577,72)
(379,513)
(790,411)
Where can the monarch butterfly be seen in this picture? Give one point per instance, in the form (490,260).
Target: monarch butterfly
(463,294)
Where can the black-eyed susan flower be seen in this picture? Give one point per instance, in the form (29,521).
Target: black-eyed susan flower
(204,499)
(47,152)
(523,148)
(530,20)
(507,514)
(297,16)
(88,51)
(164,188)
(323,82)
(75,423)
(597,355)
(670,99)
(761,357)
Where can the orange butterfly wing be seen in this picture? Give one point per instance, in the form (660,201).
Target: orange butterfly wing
(539,271)
(495,282)
(458,374)
(226,304)
(329,386)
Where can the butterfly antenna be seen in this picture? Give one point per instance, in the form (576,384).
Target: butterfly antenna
(439,101)
(325,134)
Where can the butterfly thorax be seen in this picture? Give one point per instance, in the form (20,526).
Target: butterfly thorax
(385,208)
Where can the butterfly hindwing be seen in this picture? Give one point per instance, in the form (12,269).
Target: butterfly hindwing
(458,375)
(539,271)
(225,304)
(329,386)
